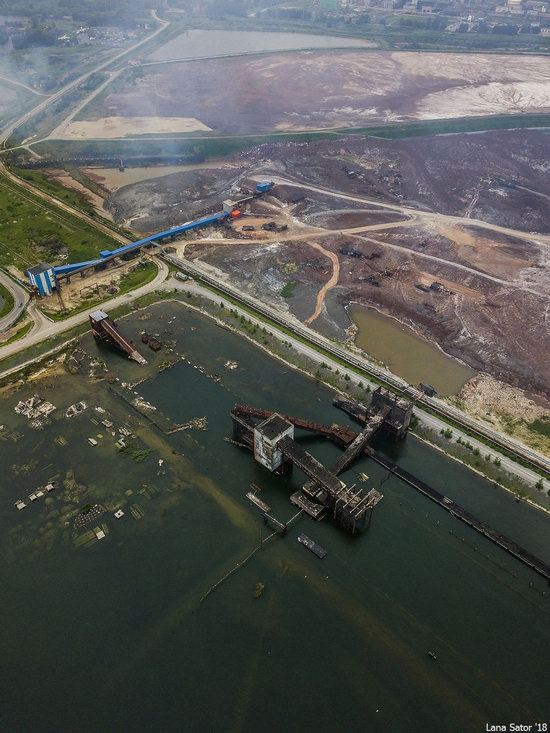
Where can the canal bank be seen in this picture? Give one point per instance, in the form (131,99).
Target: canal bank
(359,622)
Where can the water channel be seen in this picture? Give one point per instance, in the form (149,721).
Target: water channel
(112,636)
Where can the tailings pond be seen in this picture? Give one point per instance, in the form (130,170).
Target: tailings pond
(109,634)
(204,43)
(114,178)
(407,354)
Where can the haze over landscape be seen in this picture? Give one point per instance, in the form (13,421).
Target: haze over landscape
(274,337)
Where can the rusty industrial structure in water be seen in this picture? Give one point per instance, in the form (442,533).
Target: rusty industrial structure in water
(270,436)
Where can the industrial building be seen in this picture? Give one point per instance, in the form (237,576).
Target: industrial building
(44,278)
(271,438)
(104,329)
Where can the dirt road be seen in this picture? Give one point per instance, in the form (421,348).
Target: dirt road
(360,233)
(432,421)
(45,328)
(330,283)
(8,132)
(419,214)
(4,171)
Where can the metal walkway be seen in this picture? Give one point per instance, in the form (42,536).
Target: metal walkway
(374,423)
(320,476)
(117,337)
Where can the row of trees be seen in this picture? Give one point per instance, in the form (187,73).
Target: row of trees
(90,12)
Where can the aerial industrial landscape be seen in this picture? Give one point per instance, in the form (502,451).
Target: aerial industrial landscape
(274,338)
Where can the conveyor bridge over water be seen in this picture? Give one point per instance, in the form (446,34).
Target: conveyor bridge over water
(345,436)
(104,329)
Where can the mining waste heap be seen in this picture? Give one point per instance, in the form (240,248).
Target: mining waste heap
(104,329)
(270,436)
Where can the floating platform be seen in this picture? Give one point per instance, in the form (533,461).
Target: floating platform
(311,508)
(312,546)
(258,502)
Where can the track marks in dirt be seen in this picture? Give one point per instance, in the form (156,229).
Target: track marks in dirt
(330,283)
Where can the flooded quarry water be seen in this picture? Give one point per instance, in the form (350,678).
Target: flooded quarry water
(199,43)
(407,354)
(110,633)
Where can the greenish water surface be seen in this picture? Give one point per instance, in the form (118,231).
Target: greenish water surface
(406,353)
(112,636)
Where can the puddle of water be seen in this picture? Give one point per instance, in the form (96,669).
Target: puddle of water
(406,353)
(202,43)
(113,178)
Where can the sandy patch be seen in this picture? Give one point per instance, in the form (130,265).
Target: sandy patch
(103,283)
(491,98)
(484,253)
(112,127)
(112,178)
(508,408)
(68,181)
(427,278)
(329,89)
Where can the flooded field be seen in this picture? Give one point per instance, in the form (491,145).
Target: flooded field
(406,353)
(203,43)
(110,633)
(113,178)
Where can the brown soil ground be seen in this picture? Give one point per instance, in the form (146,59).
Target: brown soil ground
(115,127)
(65,179)
(492,308)
(329,89)
(487,252)
(155,204)
(482,176)
(91,287)
(508,409)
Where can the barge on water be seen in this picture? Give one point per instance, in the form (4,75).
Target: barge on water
(306,541)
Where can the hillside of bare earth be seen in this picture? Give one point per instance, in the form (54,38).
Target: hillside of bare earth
(510,410)
(311,90)
(500,177)
(487,325)
(158,203)
(392,224)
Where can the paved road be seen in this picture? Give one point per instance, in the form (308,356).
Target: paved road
(44,328)
(38,193)
(20,300)
(7,133)
(211,277)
